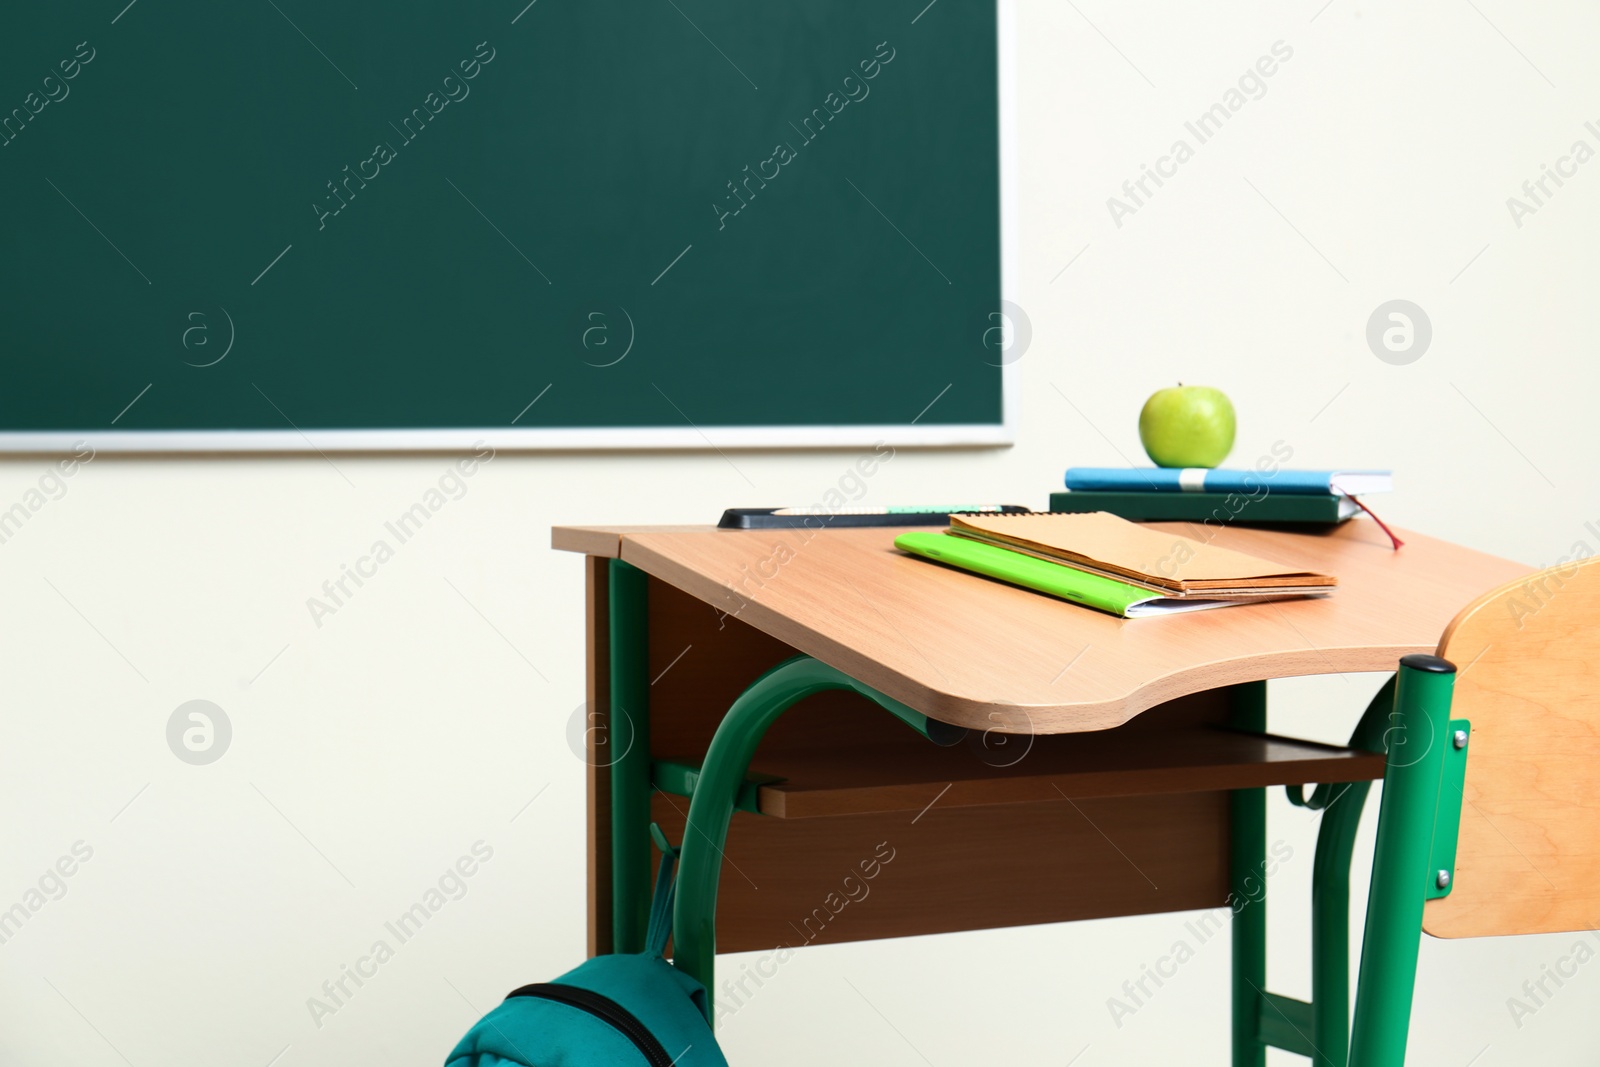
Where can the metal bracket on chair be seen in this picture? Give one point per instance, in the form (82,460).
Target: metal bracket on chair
(679,779)
(1287,1023)
(1447,818)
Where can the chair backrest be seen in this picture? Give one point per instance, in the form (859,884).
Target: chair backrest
(1527,657)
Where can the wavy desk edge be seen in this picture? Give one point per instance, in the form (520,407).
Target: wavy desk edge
(965,710)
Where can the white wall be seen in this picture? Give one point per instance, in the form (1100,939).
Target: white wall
(371,752)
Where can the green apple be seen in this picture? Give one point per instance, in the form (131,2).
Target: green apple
(1187,426)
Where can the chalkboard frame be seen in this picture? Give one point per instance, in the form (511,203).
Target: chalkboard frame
(620,438)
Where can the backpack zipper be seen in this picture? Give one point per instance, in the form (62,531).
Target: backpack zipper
(605,1009)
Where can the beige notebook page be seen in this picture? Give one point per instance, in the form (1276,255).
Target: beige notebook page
(1101,537)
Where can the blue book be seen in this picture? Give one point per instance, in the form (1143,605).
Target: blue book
(1220,480)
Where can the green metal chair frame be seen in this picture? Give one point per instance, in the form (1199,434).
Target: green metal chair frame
(1408,719)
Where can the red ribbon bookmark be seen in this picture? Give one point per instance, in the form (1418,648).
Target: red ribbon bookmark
(1373,515)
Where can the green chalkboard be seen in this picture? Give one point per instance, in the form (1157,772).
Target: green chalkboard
(280,217)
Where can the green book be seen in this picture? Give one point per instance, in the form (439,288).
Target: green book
(1057,579)
(1221,508)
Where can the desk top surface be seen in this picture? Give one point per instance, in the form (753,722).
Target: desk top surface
(983,654)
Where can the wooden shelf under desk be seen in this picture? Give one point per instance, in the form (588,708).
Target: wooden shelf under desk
(885,778)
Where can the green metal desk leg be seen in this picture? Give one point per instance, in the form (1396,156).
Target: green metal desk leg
(1330,894)
(1247,857)
(715,793)
(628,732)
(1400,874)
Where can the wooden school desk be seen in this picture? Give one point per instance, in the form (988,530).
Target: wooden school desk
(1108,767)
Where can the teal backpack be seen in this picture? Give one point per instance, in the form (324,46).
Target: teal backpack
(622,1010)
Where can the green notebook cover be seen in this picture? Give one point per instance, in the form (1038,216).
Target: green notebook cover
(1222,508)
(1057,579)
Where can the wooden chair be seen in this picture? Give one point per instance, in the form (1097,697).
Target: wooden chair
(1490,819)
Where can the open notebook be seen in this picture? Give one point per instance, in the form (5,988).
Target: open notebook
(1106,562)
